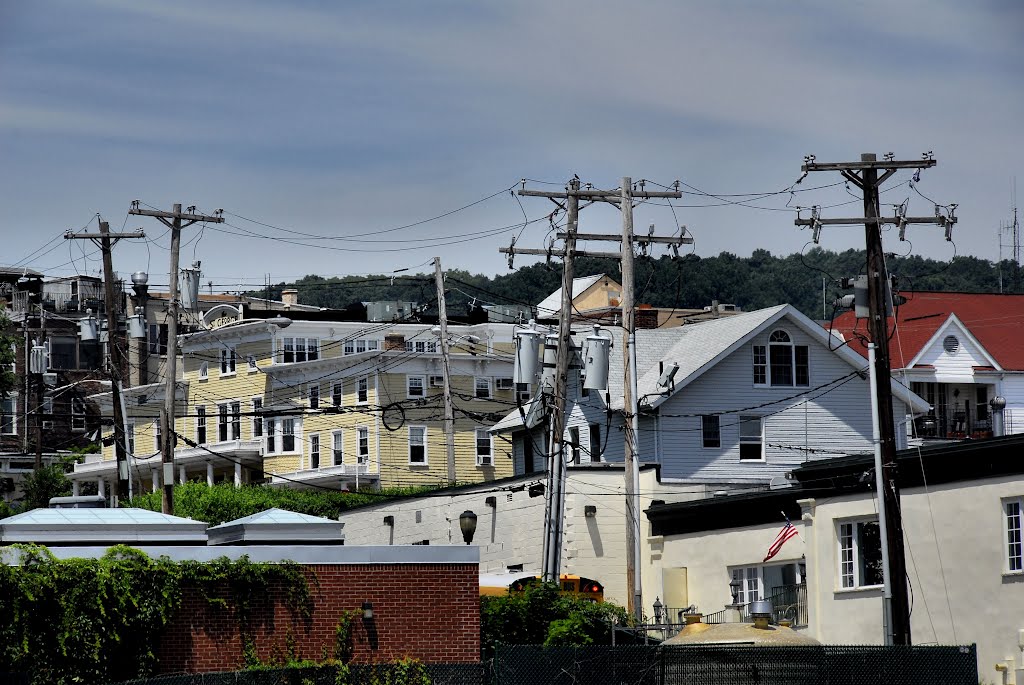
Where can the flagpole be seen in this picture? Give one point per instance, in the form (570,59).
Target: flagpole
(876,439)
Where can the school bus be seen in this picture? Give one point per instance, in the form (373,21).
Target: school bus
(573,585)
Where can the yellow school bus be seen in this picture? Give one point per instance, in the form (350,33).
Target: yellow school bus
(576,586)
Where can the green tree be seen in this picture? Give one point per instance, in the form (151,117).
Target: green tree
(8,380)
(40,486)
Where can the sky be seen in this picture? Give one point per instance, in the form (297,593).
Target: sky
(369,137)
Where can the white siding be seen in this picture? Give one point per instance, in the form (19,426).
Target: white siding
(951,368)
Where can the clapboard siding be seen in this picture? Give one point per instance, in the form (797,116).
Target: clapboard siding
(955,367)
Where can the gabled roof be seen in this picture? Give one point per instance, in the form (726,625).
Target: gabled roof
(277,526)
(552,304)
(107,526)
(996,321)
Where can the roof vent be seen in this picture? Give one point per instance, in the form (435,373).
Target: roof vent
(951,344)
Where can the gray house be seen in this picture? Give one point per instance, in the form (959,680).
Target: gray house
(755,395)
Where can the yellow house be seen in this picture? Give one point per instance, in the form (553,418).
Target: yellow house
(329,404)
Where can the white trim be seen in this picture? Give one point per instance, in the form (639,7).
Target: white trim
(409,378)
(1005,525)
(940,334)
(337,437)
(426,456)
(476,447)
(319,450)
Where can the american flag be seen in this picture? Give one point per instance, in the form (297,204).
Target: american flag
(788,531)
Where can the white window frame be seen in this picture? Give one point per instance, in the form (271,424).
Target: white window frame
(200,410)
(751,584)
(484,459)
(228,360)
(78,415)
(291,428)
(223,421)
(413,392)
(338,447)
(848,553)
(314,451)
(48,405)
(204,370)
(9,415)
(363,390)
(256,427)
(748,439)
(313,395)
(362,444)
(235,426)
(523,393)
(250,360)
(420,440)
(762,360)
(337,393)
(477,387)
(504,383)
(1013,534)
(270,436)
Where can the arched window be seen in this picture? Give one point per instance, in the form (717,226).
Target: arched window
(781,362)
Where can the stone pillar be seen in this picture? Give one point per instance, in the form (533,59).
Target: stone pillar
(101,487)
(76,488)
(209,474)
(238,475)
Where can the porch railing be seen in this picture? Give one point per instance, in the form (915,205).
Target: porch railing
(788,602)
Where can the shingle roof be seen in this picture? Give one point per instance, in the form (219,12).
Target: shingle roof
(995,320)
(552,304)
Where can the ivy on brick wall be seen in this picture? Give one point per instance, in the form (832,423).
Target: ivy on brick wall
(99,620)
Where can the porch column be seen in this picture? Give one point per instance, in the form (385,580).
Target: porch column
(238,475)
(101,487)
(209,474)
(76,488)
(181,474)
(156,480)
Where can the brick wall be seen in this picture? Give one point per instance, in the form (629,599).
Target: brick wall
(430,612)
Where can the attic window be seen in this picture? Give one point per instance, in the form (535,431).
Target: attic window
(950,344)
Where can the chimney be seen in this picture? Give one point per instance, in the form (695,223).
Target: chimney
(394,343)
(290,297)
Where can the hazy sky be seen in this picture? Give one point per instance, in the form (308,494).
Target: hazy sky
(347,119)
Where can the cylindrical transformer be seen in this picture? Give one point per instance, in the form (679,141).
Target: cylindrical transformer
(87,327)
(527,356)
(189,289)
(548,372)
(137,325)
(595,362)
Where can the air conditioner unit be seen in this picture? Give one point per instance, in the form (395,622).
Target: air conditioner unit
(50,380)
(437,381)
(484,461)
(504,384)
(47,425)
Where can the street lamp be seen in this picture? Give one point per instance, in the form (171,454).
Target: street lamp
(658,606)
(467,522)
(734,588)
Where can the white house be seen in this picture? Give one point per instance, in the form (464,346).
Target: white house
(958,351)
(962,507)
(756,395)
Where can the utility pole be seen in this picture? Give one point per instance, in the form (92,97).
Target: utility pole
(174,220)
(865,175)
(449,411)
(115,357)
(623,197)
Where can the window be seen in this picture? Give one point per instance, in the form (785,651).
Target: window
(236,420)
(417,444)
(595,442)
(288,435)
(257,418)
(227,361)
(363,440)
(201,425)
(750,584)
(299,350)
(313,392)
(129,437)
(416,386)
(1014,553)
(338,448)
(574,443)
(522,393)
(711,430)
(751,443)
(484,448)
(436,381)
(222,423)
(271,436)
(860,554)
(77,414)
(63,353)
(482,388)
(503,384)
(362,392)
(8,415)
(337,391)
(158,338)
(251,361)
(420,346)
(48,405)
(314,451)
(782,363)
(204,370)
(361,345)
(981,403)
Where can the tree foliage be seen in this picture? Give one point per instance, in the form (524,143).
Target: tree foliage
(760,280)
(541,615)
(224,502)
(8,380)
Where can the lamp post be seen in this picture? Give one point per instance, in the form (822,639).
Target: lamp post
(734,588)
(467,522)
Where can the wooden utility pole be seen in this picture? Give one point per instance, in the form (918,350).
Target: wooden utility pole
(865,175)
(623,197)
(449,410)
(174,220)
(115,358)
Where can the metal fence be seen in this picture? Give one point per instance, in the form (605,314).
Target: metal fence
(723,665)
(359,674)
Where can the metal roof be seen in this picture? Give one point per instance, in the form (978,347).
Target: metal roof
(277,526)
(105,526)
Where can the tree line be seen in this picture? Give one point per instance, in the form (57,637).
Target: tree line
(760,280)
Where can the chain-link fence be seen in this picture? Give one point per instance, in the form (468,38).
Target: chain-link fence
(723,665)
(356,674)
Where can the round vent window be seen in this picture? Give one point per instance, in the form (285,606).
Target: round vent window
(951,344)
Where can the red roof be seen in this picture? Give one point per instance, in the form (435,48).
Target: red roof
(996,321)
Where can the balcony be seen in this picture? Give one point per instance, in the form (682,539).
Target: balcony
(789,602)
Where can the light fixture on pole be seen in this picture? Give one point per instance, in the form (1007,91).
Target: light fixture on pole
(467,522)
(734,588)
(658,608)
